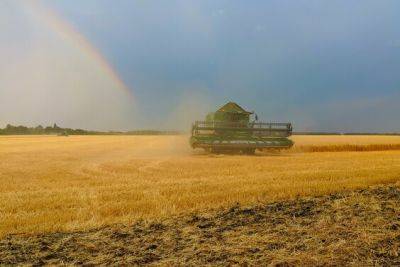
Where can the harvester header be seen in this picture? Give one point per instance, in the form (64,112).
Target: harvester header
(230,128)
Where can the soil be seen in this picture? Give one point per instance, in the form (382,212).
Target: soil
(350,228)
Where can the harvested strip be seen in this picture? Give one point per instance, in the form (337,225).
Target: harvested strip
(352,228)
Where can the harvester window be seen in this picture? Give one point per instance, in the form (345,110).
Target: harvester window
(235,117)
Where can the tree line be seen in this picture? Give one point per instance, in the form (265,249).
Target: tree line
(56,130)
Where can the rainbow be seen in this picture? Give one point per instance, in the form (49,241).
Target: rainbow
(56,23)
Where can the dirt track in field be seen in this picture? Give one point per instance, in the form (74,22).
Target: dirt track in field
(360,227)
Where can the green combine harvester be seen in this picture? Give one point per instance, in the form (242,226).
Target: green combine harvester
(230,129)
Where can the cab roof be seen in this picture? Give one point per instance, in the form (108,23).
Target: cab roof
(232,107)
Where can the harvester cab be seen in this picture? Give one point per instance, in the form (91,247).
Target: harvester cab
(230,129)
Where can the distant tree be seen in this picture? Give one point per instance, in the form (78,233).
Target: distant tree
(48,130)
(38,130)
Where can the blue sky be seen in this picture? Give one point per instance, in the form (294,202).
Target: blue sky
(324,65)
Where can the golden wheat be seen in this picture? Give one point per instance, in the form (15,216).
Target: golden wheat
(345,143)
(51,183)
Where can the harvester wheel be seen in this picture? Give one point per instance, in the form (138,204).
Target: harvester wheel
(249,151)
(215,151)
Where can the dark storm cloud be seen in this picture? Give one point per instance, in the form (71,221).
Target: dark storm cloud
(304,61)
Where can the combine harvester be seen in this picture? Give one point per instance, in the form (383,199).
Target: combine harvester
(230,129)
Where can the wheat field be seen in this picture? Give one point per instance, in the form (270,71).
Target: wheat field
(51,183)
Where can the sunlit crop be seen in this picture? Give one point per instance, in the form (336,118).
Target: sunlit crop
(51,183)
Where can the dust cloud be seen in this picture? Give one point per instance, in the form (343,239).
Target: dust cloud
(192,105)
(48,76)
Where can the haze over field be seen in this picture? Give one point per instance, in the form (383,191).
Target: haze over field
(141,64)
